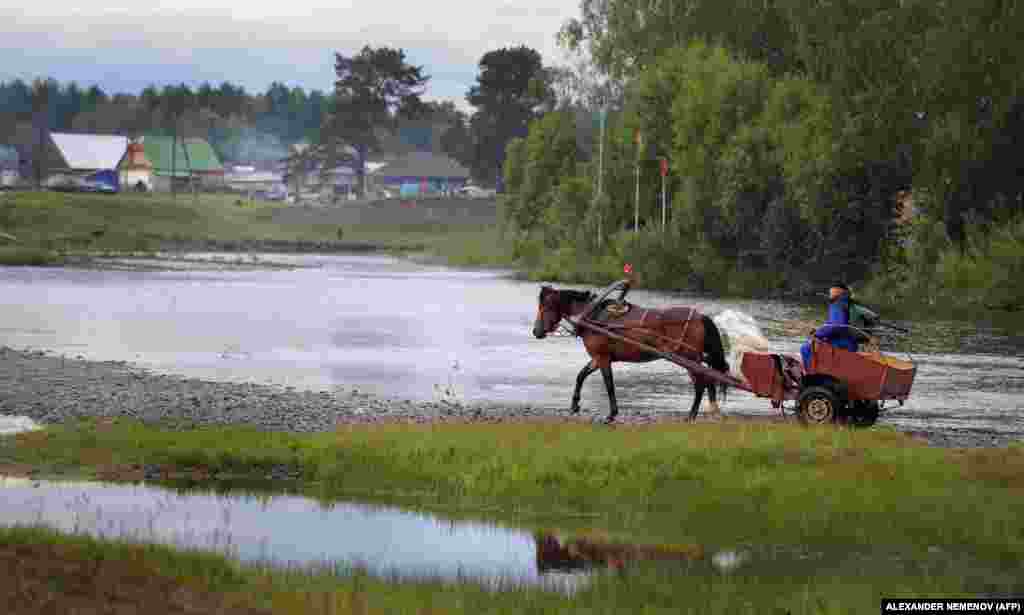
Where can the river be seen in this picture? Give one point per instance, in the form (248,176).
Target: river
(402,329)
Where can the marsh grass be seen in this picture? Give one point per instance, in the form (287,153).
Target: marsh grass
(718,484)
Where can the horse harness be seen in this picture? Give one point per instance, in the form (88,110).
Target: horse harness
(618,311)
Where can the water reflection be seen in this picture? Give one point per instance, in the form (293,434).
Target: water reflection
(584,553)
(284,530)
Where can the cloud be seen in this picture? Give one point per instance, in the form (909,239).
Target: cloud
(125,47)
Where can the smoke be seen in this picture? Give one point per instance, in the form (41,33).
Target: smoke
(255,147)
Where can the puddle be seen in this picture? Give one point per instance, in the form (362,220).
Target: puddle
(290,531)
(17,424)
(297,532)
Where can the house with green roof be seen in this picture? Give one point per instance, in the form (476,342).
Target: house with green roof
(10,164)
(192,160)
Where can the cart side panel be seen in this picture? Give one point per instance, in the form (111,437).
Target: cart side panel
(865,376)
(761,369)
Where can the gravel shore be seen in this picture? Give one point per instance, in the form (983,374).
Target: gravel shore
(50,388)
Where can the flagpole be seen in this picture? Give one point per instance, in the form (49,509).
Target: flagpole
(636,206)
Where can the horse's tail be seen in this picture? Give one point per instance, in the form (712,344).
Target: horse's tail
(714,349)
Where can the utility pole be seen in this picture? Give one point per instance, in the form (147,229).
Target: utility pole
(174,159)
(664,199)
(600,179)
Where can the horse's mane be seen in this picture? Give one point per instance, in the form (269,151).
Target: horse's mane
(573,296)
(567,297)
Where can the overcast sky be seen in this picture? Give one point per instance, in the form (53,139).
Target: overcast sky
(128,45)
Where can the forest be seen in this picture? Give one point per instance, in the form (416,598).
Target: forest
(874,142)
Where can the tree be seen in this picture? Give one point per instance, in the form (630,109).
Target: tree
(626,36)
(457,142)
(374,89)
(178,101)
(43,92)
(94,97)
(510,88)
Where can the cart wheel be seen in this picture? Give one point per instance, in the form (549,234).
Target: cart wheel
(818,405)
(864,413)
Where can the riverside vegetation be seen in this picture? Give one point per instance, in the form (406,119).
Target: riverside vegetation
(806,142)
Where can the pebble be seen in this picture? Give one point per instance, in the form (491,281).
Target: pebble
(52,389)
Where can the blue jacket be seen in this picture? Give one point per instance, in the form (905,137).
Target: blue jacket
(834,330)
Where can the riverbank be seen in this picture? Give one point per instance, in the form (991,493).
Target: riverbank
(742,482)
(51,389)
(160,425)
(51,228)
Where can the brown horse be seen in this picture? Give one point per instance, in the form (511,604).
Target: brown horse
(680,330)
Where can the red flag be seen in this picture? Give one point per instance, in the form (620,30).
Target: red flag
(664,167)
(628,269)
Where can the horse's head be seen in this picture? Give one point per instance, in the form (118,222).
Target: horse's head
(549,312)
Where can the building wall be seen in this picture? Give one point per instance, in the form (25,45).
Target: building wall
(129,180)
(254,186)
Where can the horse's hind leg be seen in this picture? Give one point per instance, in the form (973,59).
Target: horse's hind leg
(713,407)
(698,396)
(588,369)
(609,384)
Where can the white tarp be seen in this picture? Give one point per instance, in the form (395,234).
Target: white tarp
(16,424)
(742,336)
(91,152)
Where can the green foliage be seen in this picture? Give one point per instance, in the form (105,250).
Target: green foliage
(374,88)
(536,168)
(511,84)
(814,115)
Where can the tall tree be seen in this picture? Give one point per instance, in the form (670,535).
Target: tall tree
(374,89)
(457,141)
(43,93)
(510,88)
(178,101)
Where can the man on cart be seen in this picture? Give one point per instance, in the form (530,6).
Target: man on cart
(847,324)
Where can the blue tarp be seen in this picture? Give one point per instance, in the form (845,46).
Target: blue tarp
(108,179)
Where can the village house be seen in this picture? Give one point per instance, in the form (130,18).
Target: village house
(192,162)
(251,180)
(67,159)
(421,173)
(10,161)
(136,169)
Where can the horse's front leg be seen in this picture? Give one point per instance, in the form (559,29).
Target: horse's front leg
(588,369)
(609,384)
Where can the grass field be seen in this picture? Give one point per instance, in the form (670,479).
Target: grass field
(704,483)
(832,490)
(45,227)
